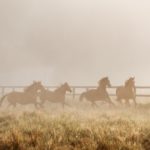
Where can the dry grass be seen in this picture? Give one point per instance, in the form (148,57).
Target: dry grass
(76,129)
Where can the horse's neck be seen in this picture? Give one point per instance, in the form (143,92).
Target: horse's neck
(61,90)
(102,88)
(30,91)
(129,88)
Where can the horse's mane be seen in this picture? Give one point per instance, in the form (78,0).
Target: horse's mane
(102,80)
(28,88)
(127,82)
(58,89)
(61,87)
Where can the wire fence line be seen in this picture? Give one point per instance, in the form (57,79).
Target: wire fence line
(76,90)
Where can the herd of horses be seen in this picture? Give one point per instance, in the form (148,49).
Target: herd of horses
(37,90)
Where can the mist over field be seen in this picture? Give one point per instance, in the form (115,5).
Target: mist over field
(78,41)
(68,43)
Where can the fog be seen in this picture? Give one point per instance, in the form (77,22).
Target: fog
(78,41)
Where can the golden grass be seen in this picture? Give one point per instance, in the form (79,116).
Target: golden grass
(78,129)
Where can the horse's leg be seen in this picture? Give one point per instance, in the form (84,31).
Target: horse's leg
(36,105)
(119,100)
(41,104)
(67,104)
(94,104)
(134,100)
(14,104)
(109,101)
(9,105)
(127,102)
(63,104)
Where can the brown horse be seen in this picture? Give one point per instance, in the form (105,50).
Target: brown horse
(56,96)
(29,96)
(99,94)
(127,92)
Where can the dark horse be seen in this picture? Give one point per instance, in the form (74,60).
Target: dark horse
(99,94)
(56,96)
(127,92)
(28,96)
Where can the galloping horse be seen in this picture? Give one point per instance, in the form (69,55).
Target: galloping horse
(29,96)
(127,92)
(99,94)
(57,96)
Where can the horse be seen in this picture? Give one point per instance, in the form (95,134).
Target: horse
(127,92)
(28,96)
(99,94)
(56,96)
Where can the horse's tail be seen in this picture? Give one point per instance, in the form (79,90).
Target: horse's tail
(82,96)
(2,99)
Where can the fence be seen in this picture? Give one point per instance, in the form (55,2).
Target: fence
(77,90)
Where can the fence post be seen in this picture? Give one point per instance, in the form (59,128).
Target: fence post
(87,89)
(3,91)
(13,89)
(74,92)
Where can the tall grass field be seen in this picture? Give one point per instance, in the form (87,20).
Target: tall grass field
(76,127)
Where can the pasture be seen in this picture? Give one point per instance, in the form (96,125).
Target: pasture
(76,127)
(37,121)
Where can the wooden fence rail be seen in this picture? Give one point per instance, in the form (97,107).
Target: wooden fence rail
(75,89)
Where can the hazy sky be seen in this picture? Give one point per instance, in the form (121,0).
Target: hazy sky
(78,41)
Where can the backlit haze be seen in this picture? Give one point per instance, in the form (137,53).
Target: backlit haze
(78,41)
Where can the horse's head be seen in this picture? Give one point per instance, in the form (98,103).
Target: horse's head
(39,86)
(105,82)
(130,82)
(67,87)
(35,87)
